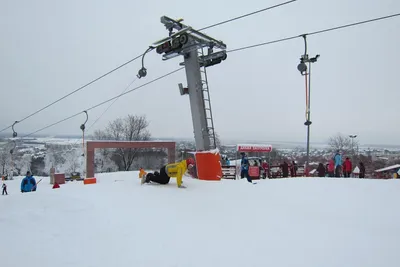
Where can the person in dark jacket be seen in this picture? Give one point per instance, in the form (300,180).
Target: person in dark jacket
(362,170)
(285,169)
(245,168)
(28,184)
(321,170)
(4,186)
(293,169)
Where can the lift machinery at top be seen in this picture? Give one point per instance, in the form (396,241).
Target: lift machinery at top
(185,40)
(198,52)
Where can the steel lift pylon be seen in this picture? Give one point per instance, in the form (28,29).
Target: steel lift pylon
(191,44)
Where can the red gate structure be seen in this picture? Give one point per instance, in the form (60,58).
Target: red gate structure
(92,145)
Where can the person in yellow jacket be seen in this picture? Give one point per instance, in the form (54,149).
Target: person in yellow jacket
(169,171)
(142,173)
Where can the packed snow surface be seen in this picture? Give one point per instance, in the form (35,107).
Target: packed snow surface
(302,222)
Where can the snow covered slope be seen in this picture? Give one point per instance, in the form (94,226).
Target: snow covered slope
(302,222)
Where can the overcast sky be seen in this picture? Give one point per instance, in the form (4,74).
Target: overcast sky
(49,48)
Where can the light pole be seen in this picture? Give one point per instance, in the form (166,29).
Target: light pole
(352,136)
(302,67)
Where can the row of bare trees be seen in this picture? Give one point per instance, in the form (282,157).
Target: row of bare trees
(14,163)
(344,144)
(129,128)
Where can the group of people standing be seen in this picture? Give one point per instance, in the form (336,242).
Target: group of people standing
(265,168)
(335,168)
(339,168)
(286,167)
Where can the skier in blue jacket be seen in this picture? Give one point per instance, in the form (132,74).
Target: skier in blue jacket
(245,168)
(338,163)
(338,159)
(28,184)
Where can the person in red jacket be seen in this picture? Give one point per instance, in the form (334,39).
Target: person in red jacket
(347,167)
(331,168)
(265,167)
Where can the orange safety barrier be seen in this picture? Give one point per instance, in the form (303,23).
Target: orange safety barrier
(208,166)
(89,180)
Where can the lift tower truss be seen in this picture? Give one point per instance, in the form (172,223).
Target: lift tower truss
(198,52)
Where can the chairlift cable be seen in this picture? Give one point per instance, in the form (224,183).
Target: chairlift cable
(247,15)
(229,51)
(75,143)
(137,57)
(314,33)
(104,102)
(75,91)
(102,114)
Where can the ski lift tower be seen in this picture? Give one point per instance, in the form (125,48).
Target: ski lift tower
(187,42)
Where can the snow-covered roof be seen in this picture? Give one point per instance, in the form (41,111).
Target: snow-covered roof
(393,167)
(213,151)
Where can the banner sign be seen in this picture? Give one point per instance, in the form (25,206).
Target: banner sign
(254,148)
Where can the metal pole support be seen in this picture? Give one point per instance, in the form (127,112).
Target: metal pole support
(196,99)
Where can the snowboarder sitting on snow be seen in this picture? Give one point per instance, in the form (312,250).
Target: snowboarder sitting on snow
(4,186)
(28,184)
(170,170)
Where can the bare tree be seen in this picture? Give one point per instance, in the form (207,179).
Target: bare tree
(22,162)
(151,159)
(342,143)
(4,160)
(72,163)
(55,155)
(103,161)
(130,128)
(37,166)
(275,156)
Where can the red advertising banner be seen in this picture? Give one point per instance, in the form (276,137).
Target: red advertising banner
(254,148)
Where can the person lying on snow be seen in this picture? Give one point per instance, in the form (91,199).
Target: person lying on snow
(170,170)
(28,184)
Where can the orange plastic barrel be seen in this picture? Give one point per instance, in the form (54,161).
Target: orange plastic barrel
(208,166)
